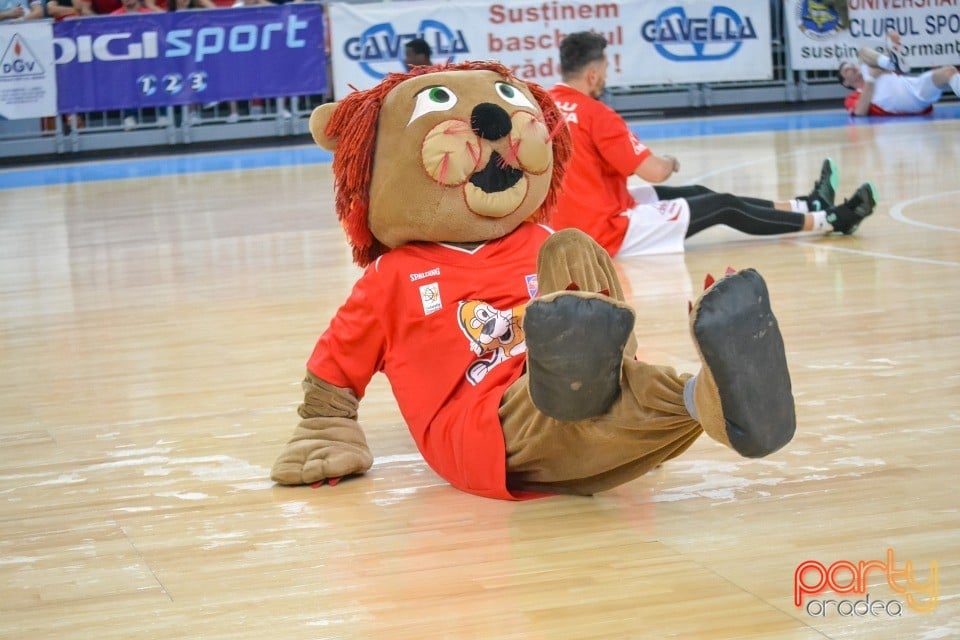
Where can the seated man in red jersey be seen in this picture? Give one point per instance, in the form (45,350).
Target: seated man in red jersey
(656,219)
(881,86)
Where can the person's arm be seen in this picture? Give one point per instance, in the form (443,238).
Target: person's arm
(83,7)
(656,169)
(36,11)
(13,13)
(56,10)
(862,107)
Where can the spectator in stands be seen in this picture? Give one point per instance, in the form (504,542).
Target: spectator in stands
(256,106)
(654,219)
(184,5)
(107,7)
(56,9)
(416,53)
(13,9)
(881,87)
(132,6)
(195,116)
(129,116)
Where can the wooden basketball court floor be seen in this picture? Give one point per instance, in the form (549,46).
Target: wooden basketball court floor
(153,334)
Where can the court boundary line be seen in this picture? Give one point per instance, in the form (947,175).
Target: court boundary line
(896,212)
(875,254)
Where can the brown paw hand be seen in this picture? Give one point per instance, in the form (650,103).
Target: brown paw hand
(322,448)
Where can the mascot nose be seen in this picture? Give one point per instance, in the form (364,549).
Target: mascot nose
(490,121)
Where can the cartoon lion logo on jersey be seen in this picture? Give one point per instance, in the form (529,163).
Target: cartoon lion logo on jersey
(509,348)
(494,335)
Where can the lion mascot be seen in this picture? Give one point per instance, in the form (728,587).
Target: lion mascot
(509,348)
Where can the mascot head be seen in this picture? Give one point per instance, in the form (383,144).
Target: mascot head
(450,153)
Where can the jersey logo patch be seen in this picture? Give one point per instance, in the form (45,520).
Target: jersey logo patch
(533,285)
(430,297)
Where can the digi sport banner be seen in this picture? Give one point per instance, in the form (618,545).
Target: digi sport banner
(189,57)
(649,41)
(823,34)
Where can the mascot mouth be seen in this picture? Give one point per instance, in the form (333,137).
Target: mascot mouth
(497,176)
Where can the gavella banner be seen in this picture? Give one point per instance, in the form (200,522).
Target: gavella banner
(650,41)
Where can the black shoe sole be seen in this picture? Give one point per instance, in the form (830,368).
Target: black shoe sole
(575,348)
(740,341)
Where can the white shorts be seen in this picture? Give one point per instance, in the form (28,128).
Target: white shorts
(905,94)
(656,226)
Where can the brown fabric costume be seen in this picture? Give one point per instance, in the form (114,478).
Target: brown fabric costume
(646,425)
(586,416)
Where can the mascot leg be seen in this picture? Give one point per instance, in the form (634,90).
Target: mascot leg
(578,331)
(328,442)
(651,416)
(742,396)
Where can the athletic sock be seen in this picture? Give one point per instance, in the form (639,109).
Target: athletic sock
(885,62)
(820,221)
(799,205)
(955,84)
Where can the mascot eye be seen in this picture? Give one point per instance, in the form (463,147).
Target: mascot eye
(513,95)
(433,99)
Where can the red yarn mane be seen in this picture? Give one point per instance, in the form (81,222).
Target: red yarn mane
(354,126)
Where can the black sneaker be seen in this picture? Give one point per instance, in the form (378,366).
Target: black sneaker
(846,217)
(824,189)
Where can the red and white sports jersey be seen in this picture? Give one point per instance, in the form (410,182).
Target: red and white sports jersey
(605,154)
(444,324)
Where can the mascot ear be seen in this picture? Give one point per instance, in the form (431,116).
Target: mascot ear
(318,124)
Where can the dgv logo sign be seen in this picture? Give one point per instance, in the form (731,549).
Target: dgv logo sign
(18,60)
(683,39)
(380,49)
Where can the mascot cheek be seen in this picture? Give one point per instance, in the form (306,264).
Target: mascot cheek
(450,152)
(530,138)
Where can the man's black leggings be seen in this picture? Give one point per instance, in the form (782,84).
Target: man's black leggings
(750,215)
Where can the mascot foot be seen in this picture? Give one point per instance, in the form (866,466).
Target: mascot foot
(743,395)
(575,343)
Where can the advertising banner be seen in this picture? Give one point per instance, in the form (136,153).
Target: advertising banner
(649,41)
(28,81)
(824,34)
(189,57)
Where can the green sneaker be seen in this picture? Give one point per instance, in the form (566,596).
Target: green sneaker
(846,217)
(824,189)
